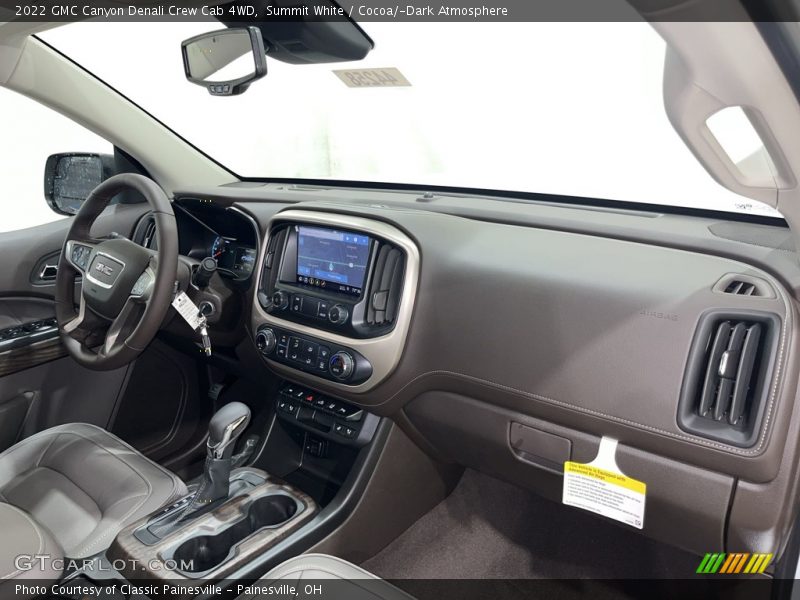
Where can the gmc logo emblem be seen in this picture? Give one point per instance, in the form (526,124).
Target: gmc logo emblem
(104,269)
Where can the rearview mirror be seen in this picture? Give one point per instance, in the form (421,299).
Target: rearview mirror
(70,178)
(226,62)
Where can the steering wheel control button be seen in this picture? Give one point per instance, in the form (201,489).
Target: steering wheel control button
(141,285)
(80,256)
(341,365)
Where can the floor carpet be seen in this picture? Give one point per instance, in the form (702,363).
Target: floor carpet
(490,529)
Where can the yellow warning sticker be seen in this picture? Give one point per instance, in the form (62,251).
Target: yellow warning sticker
(605,492)
(607,476)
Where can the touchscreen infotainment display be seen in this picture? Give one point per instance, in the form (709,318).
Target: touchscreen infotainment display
(332,259)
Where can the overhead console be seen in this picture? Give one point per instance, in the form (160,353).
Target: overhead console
(334,296)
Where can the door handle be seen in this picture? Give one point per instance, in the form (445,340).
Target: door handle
(48,272)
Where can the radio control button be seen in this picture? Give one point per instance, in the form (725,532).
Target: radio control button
(322,310)
(338,314)
(297,304)
(280,300)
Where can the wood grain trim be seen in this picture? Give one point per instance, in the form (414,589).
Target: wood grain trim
(137,556)
(30,356)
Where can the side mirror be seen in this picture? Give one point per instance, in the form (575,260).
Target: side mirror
(227,61)
(70,178)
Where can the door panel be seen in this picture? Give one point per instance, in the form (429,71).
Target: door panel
(23,250)
(39,385)
(56,392)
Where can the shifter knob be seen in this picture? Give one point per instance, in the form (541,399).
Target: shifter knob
(225,427)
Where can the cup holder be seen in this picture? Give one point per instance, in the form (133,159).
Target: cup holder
(203,553)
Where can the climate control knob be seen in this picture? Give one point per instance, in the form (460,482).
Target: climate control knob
(342,365)
(266,341)
(338,314)
(280,300)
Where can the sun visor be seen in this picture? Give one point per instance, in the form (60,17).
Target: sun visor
(296,34)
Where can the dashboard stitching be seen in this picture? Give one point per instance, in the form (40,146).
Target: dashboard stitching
(697,440)
(778,369)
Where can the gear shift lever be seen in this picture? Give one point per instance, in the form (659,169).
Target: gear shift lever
(225,427)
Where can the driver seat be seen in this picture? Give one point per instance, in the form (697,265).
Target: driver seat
(81,485)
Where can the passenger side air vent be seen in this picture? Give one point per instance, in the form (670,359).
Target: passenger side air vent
(385,287)
(727,379)
(729,383)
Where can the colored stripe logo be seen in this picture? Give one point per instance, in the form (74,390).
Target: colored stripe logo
(734,563)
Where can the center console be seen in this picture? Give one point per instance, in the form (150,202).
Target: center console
(334,297)
(235,522)
(261,512)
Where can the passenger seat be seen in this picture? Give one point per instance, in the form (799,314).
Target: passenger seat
(340,580)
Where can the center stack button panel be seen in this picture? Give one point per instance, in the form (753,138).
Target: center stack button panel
(327,417)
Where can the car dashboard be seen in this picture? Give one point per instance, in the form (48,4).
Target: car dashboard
(511,337)
(204,229)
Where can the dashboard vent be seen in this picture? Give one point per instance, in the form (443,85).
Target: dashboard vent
(728,375)
(268,272)
(742,288)
(731,372)
(386,286)
(145,232)
(149,234)
(738,284)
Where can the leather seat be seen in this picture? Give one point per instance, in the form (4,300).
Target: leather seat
(24,539)
(343,580)
(77,486)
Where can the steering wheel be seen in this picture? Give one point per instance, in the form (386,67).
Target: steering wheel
(126,289)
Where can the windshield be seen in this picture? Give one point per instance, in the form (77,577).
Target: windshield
(555,108)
